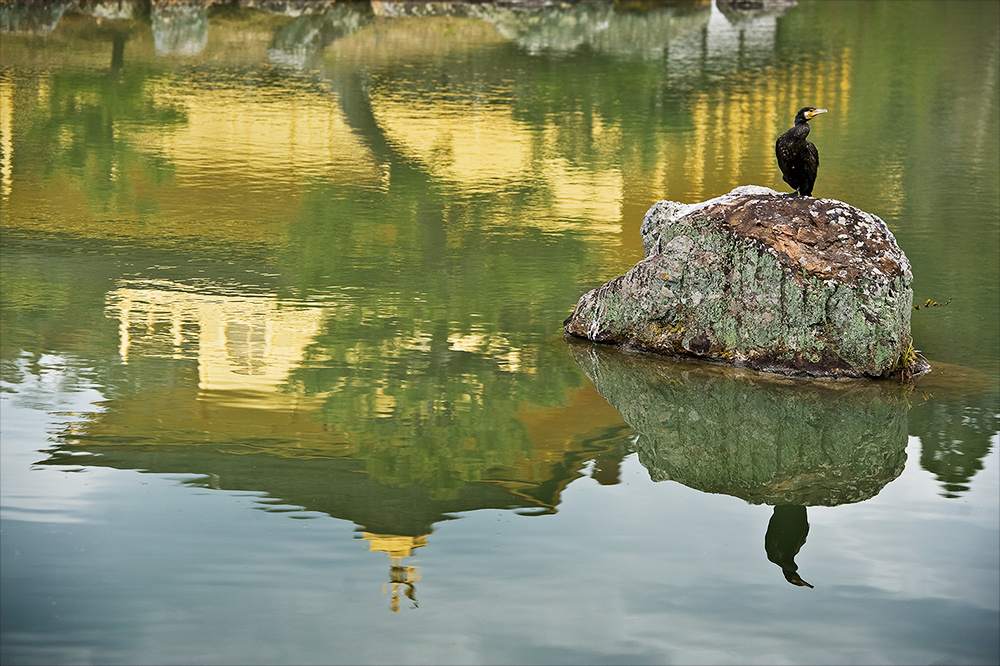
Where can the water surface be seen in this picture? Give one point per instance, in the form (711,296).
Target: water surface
(284,378)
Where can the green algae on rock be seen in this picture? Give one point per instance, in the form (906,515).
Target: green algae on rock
(793,285)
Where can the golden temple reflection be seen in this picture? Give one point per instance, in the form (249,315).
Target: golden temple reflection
(494,346)
(278,138)
(734,131)
(463,140)
(583,198)
(400,577)
(485,147)
(245,178)
(6,143)
(246,346)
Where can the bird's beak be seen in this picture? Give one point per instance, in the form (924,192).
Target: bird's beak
(816,112)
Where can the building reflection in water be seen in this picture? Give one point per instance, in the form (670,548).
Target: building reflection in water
(179,29)
(401,578)
(243,344)
(241,421)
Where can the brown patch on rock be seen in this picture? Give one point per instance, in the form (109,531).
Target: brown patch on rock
(820,238)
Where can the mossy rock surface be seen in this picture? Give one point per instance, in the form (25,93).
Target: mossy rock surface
(793,285)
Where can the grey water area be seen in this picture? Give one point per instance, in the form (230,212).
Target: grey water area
(284,378)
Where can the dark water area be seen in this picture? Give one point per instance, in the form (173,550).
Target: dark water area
(283,372)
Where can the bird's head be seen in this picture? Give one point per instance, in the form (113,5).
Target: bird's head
(794,579)
(807,113)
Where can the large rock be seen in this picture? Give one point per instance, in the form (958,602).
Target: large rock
(794,285)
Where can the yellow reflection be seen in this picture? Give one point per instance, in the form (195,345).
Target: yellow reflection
(246,346)
(384,403)
(584,199)
(494,346)
(6,145)
(477,142)
(280,137)
(469,141)
(239,156)
(396,547)
(734,132)
(400,577)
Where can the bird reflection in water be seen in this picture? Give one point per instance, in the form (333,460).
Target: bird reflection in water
(786,533)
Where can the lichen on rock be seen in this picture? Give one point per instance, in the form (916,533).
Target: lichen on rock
(794,285)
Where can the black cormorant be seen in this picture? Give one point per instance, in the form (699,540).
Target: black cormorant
(797,157)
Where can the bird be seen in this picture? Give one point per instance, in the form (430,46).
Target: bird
(798,158)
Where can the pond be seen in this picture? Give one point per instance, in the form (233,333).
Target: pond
(283,372)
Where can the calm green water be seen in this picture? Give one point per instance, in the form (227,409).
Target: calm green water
(284,378)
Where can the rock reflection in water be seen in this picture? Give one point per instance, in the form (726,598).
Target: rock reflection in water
(298,42)
(33,18)
(767,440)
(180,29)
